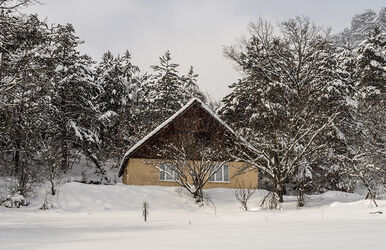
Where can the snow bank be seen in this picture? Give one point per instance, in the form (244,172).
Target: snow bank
(79,197)
(83,197)
(100,217)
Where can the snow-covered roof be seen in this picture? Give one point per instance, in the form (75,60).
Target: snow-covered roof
(168,121)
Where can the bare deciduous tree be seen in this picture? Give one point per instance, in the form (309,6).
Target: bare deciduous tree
(191,165)
(270,201)
(373,178)
(284,105)
(280,159)
(15,4)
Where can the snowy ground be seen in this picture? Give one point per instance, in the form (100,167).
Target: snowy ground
(109,217)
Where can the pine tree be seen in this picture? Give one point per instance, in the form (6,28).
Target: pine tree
(74,118)
(115,76)
(118,102)
(190,87)
(370,67)
(166,91)
(370,76)
(22,102)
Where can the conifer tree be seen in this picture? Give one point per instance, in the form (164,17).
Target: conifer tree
(73,114)
(190,87)
(166,90)
(22,102)
(370,76)
(119,103)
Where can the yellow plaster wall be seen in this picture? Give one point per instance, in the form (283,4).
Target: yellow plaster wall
(143,172)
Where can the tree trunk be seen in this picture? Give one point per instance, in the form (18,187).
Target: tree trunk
(21,174)
(280,194)
(370,193)
(16,159)
(53,190)
(93,159)
(280,190)
(199,195)
(64,154)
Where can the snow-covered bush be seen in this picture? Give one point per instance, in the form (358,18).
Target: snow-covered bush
(45,206)
(99,176)
(15,201)
(86,172)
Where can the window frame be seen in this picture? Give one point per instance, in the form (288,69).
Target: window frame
(163,167)
(213,178)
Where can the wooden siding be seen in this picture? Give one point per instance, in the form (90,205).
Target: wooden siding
(143,172)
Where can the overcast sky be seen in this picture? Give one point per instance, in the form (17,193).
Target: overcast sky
(194,31)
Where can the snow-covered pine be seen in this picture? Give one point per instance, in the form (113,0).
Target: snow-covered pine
(22,101)
(73,115)
(371,70)
(369,159)
(166,91)
(190,87)
(119,103)
(115,76)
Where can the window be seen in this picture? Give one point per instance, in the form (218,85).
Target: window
(166,172)
(222,174)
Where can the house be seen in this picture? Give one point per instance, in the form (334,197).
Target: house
(197,124)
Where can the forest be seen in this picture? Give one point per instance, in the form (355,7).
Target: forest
(310,103)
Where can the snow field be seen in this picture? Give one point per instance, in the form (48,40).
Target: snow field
(109,217)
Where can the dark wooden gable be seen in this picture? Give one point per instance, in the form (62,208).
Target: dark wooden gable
(194,124)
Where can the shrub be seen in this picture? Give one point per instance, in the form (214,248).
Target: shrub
(15,201)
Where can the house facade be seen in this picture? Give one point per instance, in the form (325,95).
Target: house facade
(147,162)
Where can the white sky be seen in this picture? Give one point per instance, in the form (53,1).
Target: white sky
(194,31)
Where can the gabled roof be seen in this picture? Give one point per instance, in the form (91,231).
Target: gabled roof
(165,123)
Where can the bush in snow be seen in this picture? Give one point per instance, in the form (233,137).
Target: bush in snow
(243,195)
(15,201)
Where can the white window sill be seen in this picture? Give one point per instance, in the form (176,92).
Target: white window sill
(168,180)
